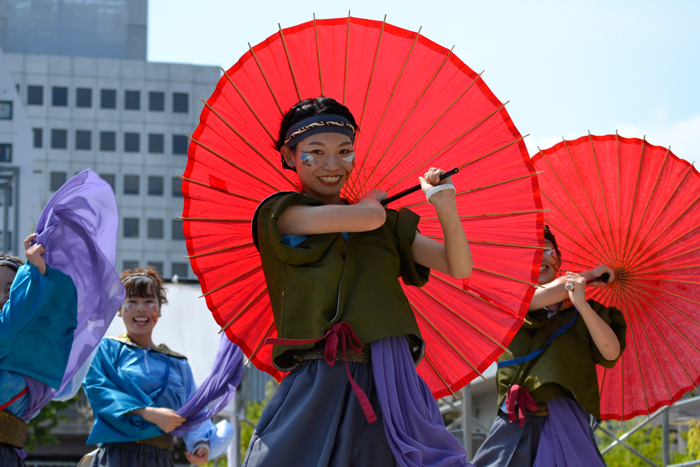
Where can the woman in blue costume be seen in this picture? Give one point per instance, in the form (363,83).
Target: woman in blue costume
(332,271)
(59,306)
(27,289)
(135,388)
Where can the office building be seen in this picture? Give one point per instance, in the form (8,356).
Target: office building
(93,101)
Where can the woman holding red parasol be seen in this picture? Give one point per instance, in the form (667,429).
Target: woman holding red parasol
(548,388)
(331,272)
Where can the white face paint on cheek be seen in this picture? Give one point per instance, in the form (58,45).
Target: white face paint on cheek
(350,157)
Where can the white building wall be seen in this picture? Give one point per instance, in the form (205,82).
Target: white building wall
(17,132)
(119,75)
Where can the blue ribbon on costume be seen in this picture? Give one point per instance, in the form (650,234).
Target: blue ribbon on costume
(530,356)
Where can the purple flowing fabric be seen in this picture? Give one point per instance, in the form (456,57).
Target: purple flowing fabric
(412,421)
(78,229)
(226,374)
(566,439)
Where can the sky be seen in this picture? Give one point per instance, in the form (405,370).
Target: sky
(566,67)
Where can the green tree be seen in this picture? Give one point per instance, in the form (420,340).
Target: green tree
(649,442)
(253,411)
(42,426)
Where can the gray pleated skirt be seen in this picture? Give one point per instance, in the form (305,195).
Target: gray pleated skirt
(508,445)
(315,420)
(8,457)
(132,455)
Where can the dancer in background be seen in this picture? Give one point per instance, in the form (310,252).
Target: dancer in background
(26,289)
(135,388)
(59,305)
(548,390)
(332,274)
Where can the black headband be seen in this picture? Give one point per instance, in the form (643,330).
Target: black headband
(324,123)
(10,263)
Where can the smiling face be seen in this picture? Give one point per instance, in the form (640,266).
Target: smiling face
(551,262)
(7,275)
(323,163)
(140,314)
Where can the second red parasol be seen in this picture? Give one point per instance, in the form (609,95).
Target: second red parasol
(633,206)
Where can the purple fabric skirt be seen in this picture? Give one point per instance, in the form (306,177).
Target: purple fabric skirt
(562,439)
(566,439)
(412,421)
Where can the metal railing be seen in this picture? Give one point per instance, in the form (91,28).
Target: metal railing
(666,455)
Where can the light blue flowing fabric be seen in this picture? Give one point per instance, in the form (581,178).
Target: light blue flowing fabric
(412,420)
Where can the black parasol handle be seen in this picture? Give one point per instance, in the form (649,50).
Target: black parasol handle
(605,277)
(413,189)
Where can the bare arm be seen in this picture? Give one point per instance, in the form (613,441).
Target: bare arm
(602,334)
(454,257)
(554,292)
(368,214)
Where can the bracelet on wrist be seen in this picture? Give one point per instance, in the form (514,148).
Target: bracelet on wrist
(437,189)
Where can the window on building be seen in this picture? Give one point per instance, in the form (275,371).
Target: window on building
(177,187)
(5,110)
(177,233)
(5,152)
(38,137)
(155,185)
(83,140)
(108,141)
(59,139)
(155,228)
(83,98)
(59,96)
(111,179)
(131,227)
(181,102)
(180,144)
(130,264)
(132,100)
(180,270)
(157,265)
(17,88)
(35,95)
(131,184)
(5,195)
(132,142)
(57,180)
(156,101)
(156,143)
(108,99)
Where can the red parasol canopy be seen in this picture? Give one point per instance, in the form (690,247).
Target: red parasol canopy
(633,206)
(417,106)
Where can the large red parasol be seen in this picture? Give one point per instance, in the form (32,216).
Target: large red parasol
(633,206)
(417,106)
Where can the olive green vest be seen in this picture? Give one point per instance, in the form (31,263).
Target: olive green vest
(326,279)
(567,368)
